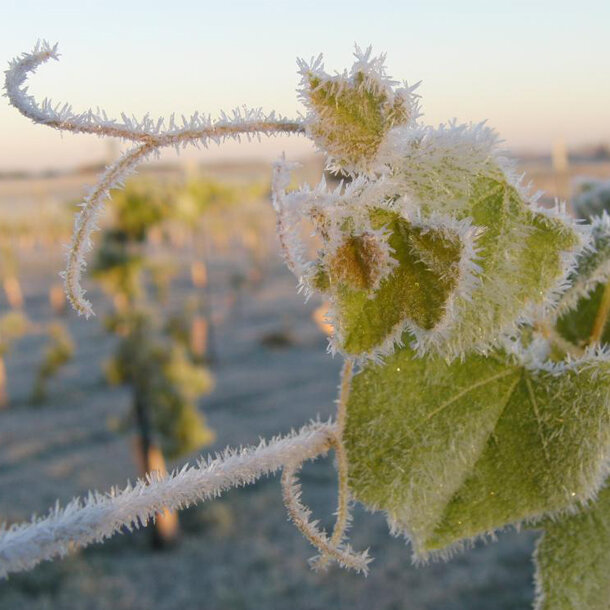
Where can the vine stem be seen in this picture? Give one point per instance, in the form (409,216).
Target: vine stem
(99,516)
(602,317)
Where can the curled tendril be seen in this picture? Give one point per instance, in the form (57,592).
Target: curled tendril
(330,548)
(150,136)
(300,516)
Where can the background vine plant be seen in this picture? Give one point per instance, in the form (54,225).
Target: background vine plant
(475,391)
(165,380)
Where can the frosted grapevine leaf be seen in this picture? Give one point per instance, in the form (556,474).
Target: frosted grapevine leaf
(524,251)
(573,559)
(463,276)
(385,267)
(454,450)
(350,115)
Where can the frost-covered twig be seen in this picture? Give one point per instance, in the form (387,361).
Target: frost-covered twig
(198,127)
(150,134)
(101,515)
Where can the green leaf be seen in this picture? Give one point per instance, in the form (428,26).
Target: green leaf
(573,559)
(453,450)
(350,115)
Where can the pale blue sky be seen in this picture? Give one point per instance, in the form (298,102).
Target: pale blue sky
(538,71)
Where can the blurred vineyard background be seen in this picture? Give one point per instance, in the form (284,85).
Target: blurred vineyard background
(200,341)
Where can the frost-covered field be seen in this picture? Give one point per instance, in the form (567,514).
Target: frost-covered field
(272,373)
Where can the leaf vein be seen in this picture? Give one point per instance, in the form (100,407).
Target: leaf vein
(534,403)
(465,391)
